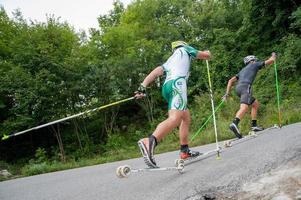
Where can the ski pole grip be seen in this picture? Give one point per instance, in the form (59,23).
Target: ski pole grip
(5,137)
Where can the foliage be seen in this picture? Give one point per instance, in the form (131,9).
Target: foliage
(48,71)
(40,156)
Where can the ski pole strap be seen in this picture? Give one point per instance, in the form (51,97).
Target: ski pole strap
(277,92)
(67,118)
(206,122)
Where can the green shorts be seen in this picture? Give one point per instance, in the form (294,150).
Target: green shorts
(175,93)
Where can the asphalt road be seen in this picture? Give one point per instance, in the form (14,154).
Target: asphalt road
(207,177)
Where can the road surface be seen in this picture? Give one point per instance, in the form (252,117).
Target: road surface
(209,178)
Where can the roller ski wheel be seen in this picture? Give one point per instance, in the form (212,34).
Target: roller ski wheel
(123,171)
(178,162)
(180,168)
(252,133)
(118,172)
(227,144)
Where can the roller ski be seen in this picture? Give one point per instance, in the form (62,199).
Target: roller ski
(230,143)
(196,155)
(125,171)
(273,127)
(147,146)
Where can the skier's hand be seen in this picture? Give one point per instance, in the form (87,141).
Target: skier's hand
(208,54)
(274,54)
(141,92)
(204,55)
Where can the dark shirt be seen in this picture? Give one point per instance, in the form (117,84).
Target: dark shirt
(248,73)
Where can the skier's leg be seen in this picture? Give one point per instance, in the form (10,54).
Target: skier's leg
(254,127)
(147,145)
(183,134)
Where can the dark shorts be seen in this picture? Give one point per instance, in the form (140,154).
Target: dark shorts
(244,91)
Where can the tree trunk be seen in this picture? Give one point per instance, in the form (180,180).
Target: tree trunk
(60,143)
(77,133)
(109,123)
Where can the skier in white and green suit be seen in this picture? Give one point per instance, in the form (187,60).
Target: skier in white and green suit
(175,93)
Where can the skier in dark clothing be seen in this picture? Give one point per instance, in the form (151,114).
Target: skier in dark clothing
(245,80)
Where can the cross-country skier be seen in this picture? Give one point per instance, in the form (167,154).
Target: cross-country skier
(174,91)
(245,80)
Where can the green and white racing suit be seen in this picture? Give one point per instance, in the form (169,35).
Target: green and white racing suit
(177,67)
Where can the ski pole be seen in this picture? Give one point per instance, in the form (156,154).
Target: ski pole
(277,91)
(206,122)
(66,118)
(212,105)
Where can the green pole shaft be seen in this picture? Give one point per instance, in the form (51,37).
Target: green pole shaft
(206,122)
(277,92)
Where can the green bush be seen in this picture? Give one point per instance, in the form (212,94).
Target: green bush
(40,156)
(33,169)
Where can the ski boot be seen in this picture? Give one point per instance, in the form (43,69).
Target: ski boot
(257,128)
(233,127)
(189,154)
(147,146)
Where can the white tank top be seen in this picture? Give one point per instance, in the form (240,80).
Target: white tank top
(178,64)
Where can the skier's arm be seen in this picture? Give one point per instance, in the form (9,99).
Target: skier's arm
(158,71)
(271,59)
(230,84)
(141,92)
(202,55)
